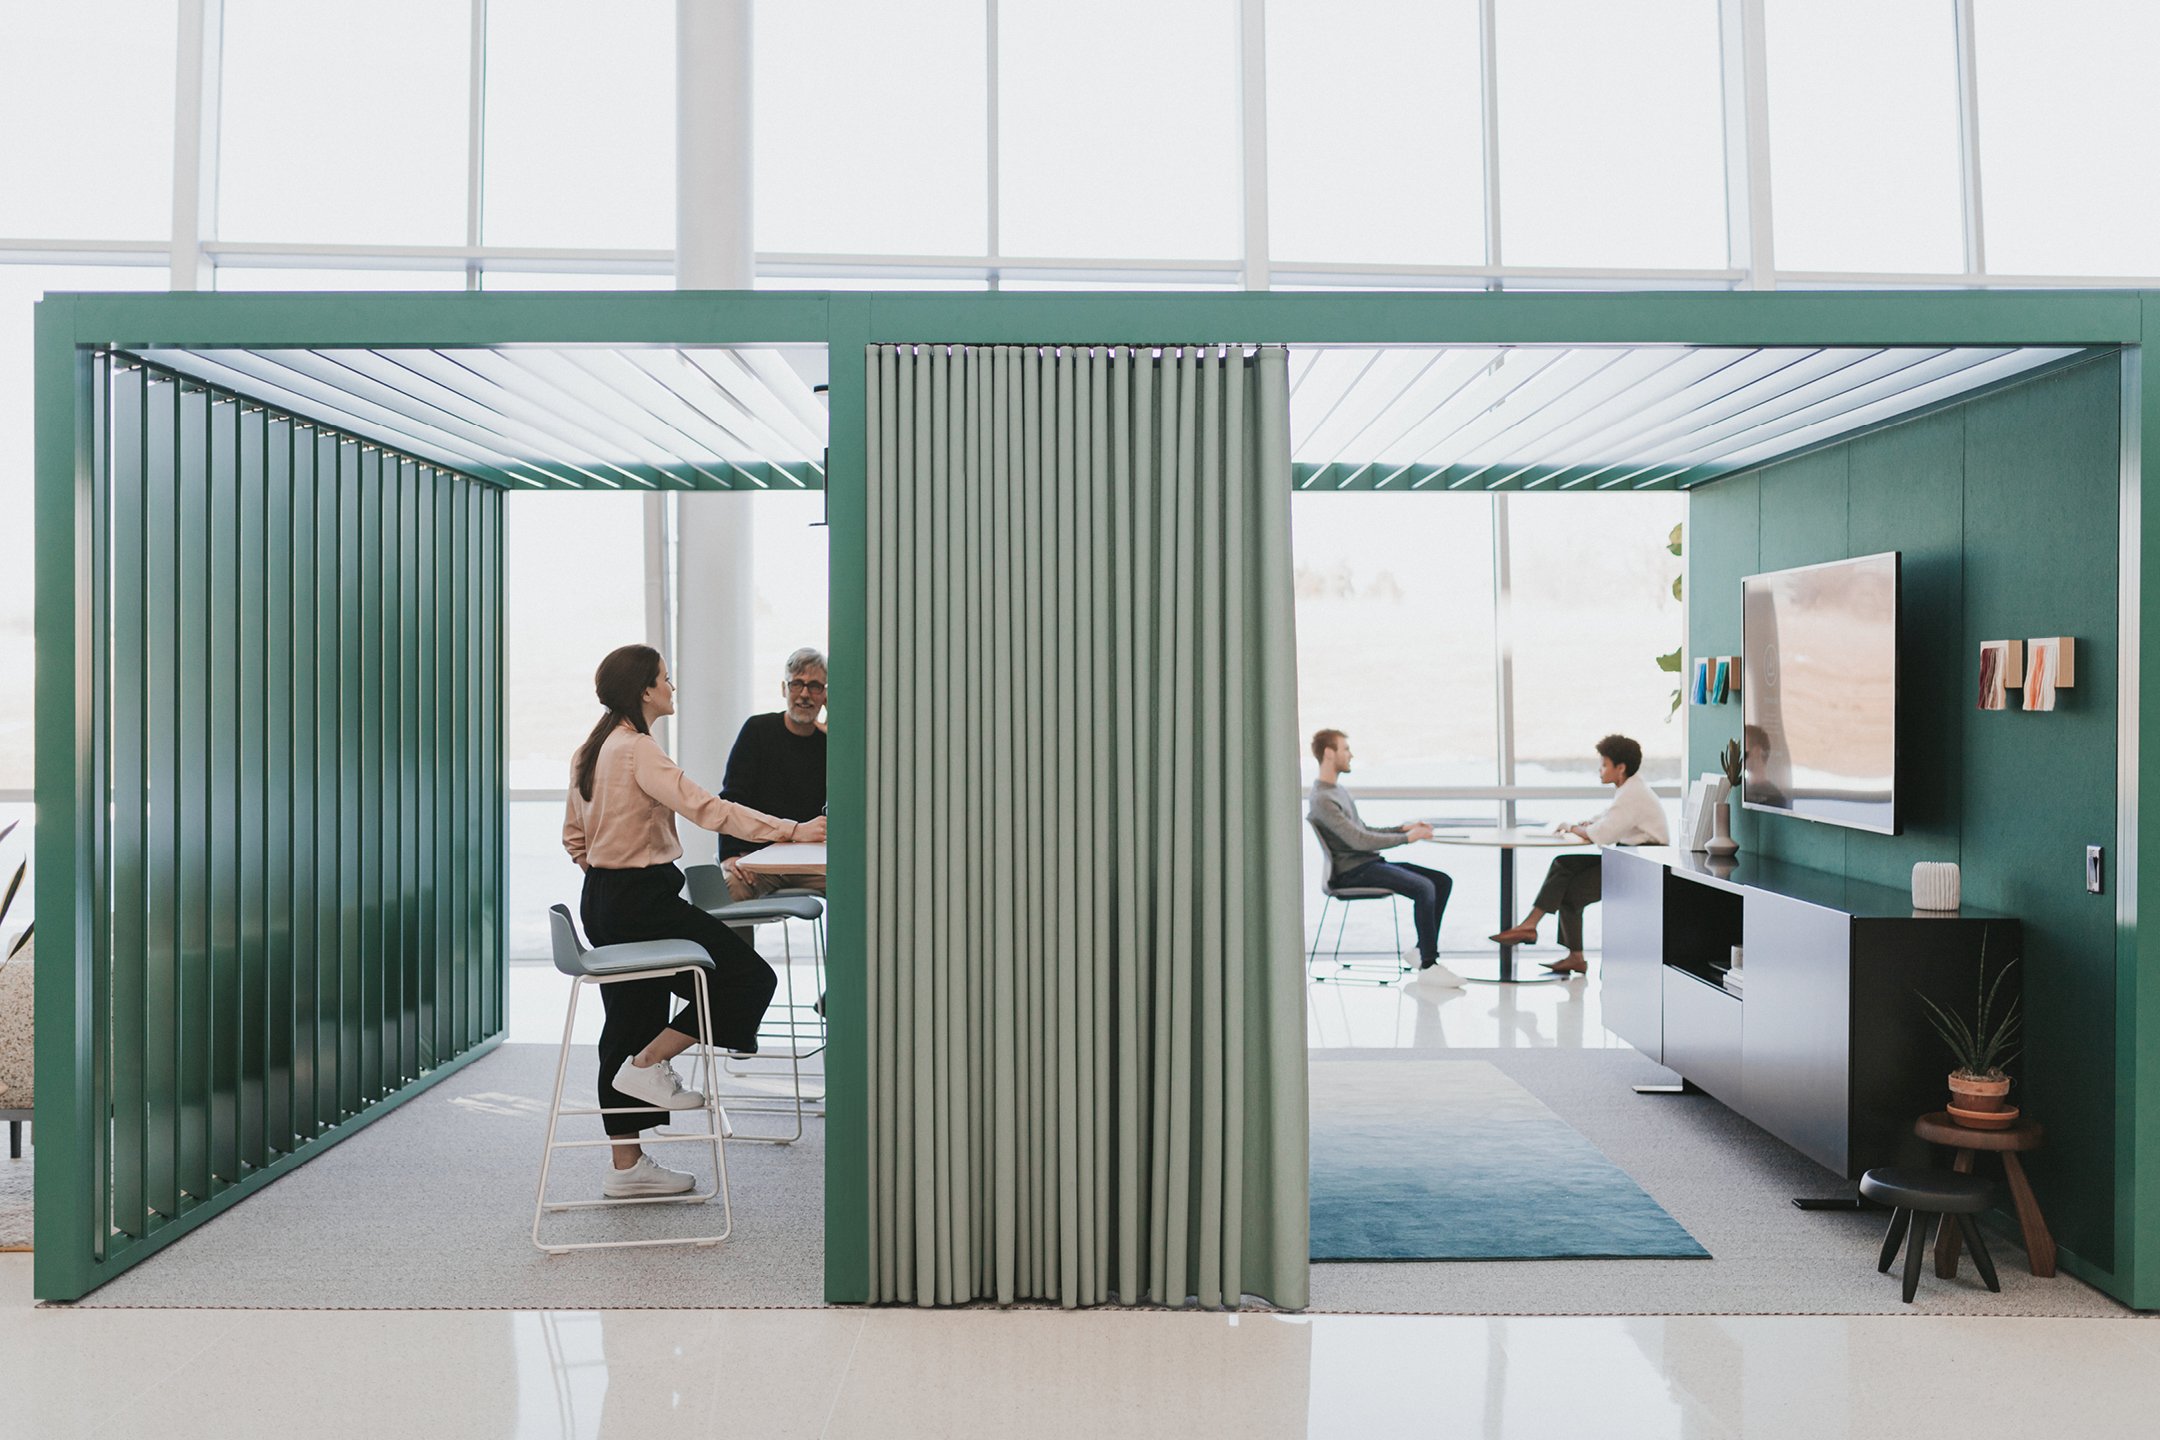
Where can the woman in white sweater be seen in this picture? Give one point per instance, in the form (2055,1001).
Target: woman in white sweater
(1575,882)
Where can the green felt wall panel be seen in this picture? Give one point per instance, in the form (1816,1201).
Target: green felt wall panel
(2005,512)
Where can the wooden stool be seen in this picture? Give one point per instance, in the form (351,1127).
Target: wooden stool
(1939,1129)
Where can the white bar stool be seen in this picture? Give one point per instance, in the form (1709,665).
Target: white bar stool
(610,965)
(795,1025)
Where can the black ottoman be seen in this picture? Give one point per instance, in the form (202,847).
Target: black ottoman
(1929,1193)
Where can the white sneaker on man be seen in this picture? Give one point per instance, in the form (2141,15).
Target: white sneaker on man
(657,1085)
(1432,975)
(645,1178)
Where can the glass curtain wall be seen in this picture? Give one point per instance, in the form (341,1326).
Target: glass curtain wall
(530,144)
(1474,649)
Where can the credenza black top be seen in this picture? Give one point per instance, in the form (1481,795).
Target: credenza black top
(1860,899)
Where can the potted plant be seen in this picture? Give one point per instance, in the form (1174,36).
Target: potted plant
(1980,1048)
(1722,842)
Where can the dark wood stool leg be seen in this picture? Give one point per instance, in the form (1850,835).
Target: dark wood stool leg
(2039,1244)
(1982,1261)
(1946,1241)
(1899,1219)
(1914,1244)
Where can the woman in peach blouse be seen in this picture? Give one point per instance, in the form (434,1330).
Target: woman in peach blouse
(619,826)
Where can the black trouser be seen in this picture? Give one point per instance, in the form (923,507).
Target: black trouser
(647,904)
(1573,882)
(1427,891)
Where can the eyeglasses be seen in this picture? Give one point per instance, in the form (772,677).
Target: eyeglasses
(806,687)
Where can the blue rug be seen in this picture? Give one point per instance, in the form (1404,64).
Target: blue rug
(1452,1160)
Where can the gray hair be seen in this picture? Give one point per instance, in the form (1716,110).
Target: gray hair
(807,658)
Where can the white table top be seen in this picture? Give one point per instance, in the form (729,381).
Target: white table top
(786,859)
(1514,838)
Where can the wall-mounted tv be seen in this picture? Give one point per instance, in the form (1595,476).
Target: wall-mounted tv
(1819,692)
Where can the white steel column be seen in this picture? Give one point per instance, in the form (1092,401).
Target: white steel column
(1504,653)
(195,139)
(715,242)
(1746,71)
(475,139)
(1489,128)
(1968,71)
(991,101)
(1252,103)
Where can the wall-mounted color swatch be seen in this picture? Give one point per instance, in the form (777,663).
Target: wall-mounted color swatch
(2002,670)
(1714,680)
(2050,665)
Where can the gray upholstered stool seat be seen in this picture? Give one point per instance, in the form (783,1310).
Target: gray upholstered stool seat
(1927,1194)
(631,955)
(768,907)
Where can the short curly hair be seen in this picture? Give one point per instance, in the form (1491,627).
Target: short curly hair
(1622,752)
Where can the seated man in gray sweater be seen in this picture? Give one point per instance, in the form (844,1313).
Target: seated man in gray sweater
(1353,854)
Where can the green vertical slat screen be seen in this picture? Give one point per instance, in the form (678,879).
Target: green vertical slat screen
(300,739)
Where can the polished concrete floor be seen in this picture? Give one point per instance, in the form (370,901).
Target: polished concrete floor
(236,1374)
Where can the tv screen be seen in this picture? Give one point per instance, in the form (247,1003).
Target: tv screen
(1818,692)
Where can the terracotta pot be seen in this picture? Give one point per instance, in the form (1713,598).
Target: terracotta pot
(1978,1092)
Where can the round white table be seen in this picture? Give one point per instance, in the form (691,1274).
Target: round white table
(1507,841)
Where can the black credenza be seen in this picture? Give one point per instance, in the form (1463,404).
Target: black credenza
(1827,1044)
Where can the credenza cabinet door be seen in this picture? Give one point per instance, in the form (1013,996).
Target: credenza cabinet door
(1797,1061)
(1631,982)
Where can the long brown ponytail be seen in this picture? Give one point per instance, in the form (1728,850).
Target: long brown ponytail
(620,683)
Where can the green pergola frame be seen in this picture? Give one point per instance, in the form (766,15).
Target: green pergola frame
(71,328)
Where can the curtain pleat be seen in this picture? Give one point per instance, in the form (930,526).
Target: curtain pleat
(1085,1046)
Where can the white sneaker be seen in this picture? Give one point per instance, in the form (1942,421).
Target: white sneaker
(656,1085)
(1437,977)
(646,1178)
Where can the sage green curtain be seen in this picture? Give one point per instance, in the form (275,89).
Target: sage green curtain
(1086,1045)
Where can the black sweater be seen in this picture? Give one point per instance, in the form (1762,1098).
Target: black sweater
(774,770)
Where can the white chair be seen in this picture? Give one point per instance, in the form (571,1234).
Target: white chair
(793,1029)
(611,965)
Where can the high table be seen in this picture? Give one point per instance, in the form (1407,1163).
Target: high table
(1507,841)
(786,859)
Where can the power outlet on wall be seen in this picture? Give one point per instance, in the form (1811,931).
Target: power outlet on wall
(2092,869)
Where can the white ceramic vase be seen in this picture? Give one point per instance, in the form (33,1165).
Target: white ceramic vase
(1721,842)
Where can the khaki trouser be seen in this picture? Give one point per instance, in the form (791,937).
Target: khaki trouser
(750,884)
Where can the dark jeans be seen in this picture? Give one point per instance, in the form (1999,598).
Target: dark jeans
(624,905)
(1573,882)
(1427,891)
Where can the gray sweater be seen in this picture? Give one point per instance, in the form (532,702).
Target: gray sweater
(1350,841)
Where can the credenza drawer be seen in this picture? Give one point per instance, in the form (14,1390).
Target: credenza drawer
(1703,1025)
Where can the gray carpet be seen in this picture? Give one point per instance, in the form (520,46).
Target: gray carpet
(431,1208)
(1730,1183)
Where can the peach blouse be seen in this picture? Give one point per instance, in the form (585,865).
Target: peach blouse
(637,793)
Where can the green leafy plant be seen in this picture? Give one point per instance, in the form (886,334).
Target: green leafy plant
(1984,1046)
(1670,662)
(1729,761)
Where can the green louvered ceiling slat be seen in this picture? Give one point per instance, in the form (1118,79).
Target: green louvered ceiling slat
(1643,417)
(538,417)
